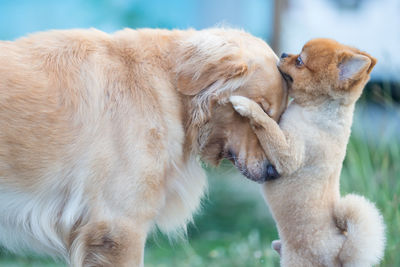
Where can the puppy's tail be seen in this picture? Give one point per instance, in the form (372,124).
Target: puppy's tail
(363,226)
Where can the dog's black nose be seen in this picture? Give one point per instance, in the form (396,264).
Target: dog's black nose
(271,173)
(284,55)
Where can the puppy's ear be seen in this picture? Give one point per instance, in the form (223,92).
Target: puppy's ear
(373,61)
(205,60)
(353,65)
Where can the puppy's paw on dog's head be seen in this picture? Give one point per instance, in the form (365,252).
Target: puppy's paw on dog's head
(245,106)
(241,104)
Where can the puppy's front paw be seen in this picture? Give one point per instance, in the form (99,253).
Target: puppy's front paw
(242,105)
(276,245)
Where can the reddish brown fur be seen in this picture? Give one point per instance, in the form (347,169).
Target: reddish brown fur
(318,78)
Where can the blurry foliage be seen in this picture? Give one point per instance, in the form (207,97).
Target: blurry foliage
(130,16)
(136,14)
(372,168)
(384,93)
(349,4)
(234,228)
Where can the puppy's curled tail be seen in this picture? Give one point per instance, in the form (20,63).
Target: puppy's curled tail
(363,226)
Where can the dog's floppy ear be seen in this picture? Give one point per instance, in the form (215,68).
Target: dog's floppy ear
(207,59)
(192,81)
(353,65)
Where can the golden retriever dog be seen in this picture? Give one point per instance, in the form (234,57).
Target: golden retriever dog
(317,227)
(101,135)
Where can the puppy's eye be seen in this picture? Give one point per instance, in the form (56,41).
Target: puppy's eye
(299,62)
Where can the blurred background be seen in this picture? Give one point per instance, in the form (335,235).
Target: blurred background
(234,228)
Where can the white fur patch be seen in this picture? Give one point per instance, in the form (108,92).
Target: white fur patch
(39,221)
(365,238)
(184,192)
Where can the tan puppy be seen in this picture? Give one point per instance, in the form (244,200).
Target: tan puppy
(317,227)
(100,134)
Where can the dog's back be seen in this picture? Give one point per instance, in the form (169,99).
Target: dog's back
(64,104)
(100,134)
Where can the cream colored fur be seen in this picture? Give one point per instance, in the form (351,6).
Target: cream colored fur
(101,135)
(317,227)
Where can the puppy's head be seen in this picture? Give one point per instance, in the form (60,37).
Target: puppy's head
(326,69)
(212,66)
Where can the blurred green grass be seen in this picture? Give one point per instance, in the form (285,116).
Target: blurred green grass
(372,169)
(234,227)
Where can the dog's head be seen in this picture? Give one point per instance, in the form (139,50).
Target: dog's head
(213,65)
(326,68)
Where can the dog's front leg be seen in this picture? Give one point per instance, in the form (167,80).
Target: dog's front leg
(117,242)
(280,148)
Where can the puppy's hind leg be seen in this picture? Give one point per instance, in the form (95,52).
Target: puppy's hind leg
(108,243)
